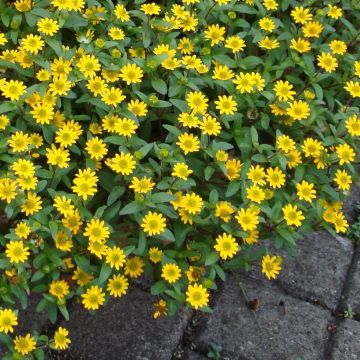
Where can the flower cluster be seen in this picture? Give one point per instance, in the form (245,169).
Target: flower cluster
(172,141)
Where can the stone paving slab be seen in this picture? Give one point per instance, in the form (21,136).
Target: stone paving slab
(195,356)
(346,345)
(282,327)
(317,270)
(29,319)
(352,296)
(350,204)
(124,329)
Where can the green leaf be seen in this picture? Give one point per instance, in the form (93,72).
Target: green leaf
(131,208)
(159,85)
(158,288)
(212,258)
(104,273)
(233,188)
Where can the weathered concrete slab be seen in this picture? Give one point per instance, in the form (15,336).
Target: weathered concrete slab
(29,320)
(352,295)
(282,327)
(346,345)
(350,204)
(124,329)
(195,356)
(317,270)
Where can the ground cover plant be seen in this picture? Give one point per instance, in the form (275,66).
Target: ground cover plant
(166,140)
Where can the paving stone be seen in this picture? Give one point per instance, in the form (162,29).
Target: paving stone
(350,204)
(346,345)
(281,328)
(352,297)
(195,356)
(317,270)
(29,319)
(124,329)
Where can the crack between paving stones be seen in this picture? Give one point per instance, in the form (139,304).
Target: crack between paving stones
(341,304)
(194,327)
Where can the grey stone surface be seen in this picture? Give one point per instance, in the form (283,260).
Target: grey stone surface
(29,320)
(281,328)
(346,345)
(195,356)
(350,204)
(317,270)
(124,329)
(352,295)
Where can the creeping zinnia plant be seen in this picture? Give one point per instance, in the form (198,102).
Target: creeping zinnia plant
(170,141)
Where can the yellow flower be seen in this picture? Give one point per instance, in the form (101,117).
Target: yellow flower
(171,273)
(126,127)
(269,44)
(121,13)
(283,90)
(131,74)
(334,11)
(122,163)
(343,180)
(300,45)
(153,223)
(134,267)
(181,170)
(353,125)
(292,215)
(271,266)
(192,203)
(338,47)
(151,9)
(188,143)
(81,278)
(118,285)
(96,230)
(93,298)
(112,96)
(226,105)
(341,224)
(345,153)
(32,204)
(142,185)
(215,33)
(115,257)
(301,15)
(60,85)
(85,183)
(96,148)
(59,289)
(327,62)
(255,193)
(312,147)
(197,296)
(306,191)
(155,255)
(116,33)
(22,230)
(8,319)
(226,246)
(89,65)
(63,242)
(224,210)
(197,102)
(235,44)
(61,339)
(298,110)
(312,29)
(233,168)
(138,108)
(267,24)
(58,156)
(222,72)
(48,26)
(13,89)
(353,87)
(161,308)
(24,344)
(32,43)
(247,219)
(275,177)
